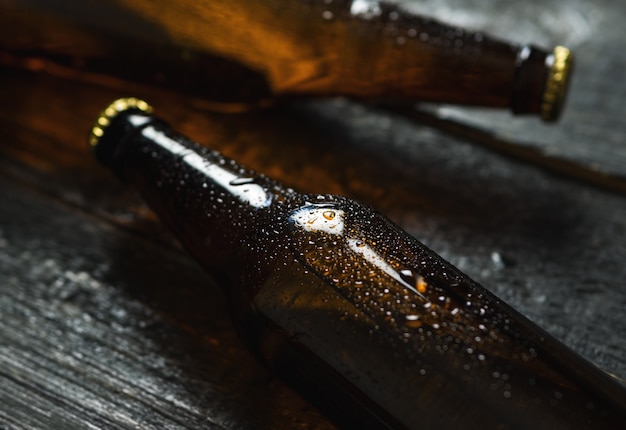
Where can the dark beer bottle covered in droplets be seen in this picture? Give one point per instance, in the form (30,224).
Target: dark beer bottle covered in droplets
(372,326)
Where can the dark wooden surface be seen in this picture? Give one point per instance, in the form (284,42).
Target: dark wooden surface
(106,323)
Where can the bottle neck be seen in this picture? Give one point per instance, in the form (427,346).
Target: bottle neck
(209,201)
(421,59)
(531,75)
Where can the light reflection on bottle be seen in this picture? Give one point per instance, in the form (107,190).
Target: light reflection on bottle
(243,188)
(319,218)
(365,9)
(372,257)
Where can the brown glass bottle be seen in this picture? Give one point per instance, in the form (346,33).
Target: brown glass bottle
(242,53)
(370,324)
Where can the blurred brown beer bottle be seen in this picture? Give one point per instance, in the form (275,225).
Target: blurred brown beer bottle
(367,322)
(238,54)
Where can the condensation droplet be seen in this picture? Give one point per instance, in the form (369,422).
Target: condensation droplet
(412,321)
(241,181)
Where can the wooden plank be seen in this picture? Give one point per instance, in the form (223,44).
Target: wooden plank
(105,323)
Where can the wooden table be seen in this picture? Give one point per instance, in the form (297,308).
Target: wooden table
(106,323)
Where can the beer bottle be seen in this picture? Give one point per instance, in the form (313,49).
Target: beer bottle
(371,325)
(239,54)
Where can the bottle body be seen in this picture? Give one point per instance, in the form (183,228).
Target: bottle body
(342,303)
(243,53)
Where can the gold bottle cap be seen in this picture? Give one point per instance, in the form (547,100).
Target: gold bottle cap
(115,108)
(556,84)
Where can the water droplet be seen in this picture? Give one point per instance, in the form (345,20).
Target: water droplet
(497,260)
(393,15)
(241,181)
(421,285)
(412,321)
(407,276)
(327,15)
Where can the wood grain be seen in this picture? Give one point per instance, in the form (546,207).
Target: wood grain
(106,323)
